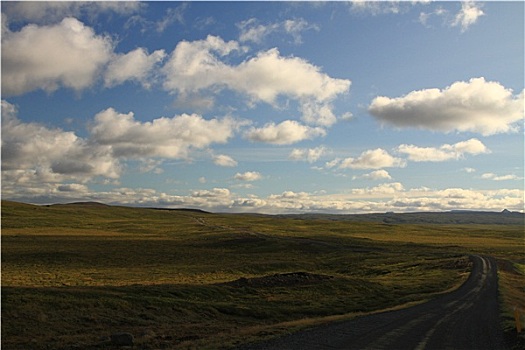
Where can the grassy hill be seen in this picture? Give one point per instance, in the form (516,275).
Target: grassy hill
(74,274)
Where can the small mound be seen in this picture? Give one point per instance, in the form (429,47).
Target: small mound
(280,280)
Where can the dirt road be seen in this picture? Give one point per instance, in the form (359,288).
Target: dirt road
(467,318)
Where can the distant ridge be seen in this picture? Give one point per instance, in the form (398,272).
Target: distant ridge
(454,217)
(84,204)
(192,210)
(98,204)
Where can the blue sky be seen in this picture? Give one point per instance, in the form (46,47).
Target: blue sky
(272,107)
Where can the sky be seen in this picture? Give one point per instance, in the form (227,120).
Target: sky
(267,107)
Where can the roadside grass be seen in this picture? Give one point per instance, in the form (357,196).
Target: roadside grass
(74,274)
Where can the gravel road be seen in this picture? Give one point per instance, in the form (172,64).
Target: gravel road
(467,318)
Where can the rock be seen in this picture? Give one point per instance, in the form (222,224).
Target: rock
(121,339)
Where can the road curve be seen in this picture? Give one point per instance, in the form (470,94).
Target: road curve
(467,318)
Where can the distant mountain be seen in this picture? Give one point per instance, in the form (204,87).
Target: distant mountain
(86,204)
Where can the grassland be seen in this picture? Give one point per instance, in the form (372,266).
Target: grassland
(74,274)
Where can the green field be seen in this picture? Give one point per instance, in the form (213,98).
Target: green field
(184,279)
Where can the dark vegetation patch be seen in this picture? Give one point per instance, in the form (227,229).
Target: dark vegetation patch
(292,279)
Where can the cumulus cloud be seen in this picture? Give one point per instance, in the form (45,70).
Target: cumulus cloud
(37,159)
(136,65)
(468,15)
(193,66)
(380,190)
(443,153)
(66,54)
(248,176)
(285,133)
(477,106)
(375,175)
(214,193)
(224,160)
(269,75)
(372,159)
(196,66)
(310,155)
(162,137)
(33,153)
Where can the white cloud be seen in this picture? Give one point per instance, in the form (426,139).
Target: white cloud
(284,133)
(66,54)
(135,65)
(34,154)
(380,190)
(53,11)
(476,106)
(173,15)
(196,66)
(163,137)
(375,7)
(469,14)
(382,198)
(333,163)
(443,153)
(37,160)
(193,66)
(318,113)
(310,155)
(248,176)
(372,159)
(294,27)
(214,193)
(224,160)
(252,30)
(495,177)
(375,175)
(347,116)
(269,75)
(151,165)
